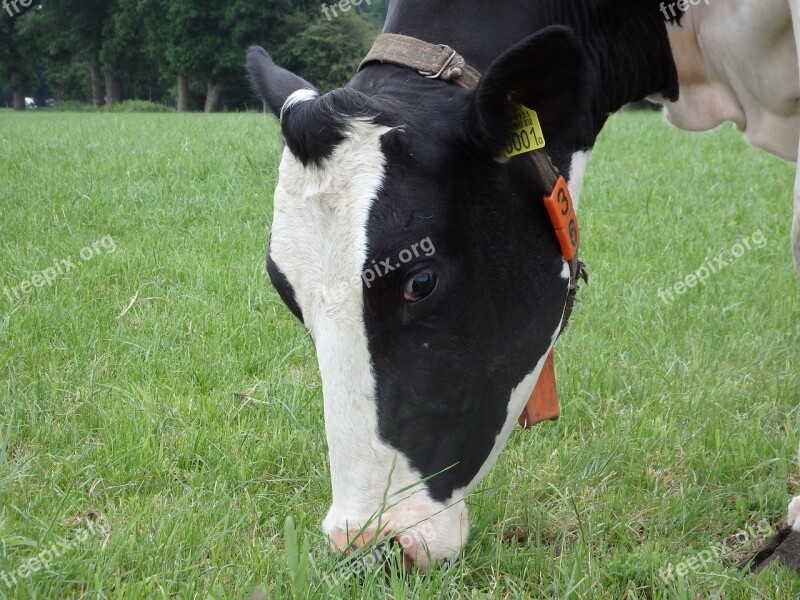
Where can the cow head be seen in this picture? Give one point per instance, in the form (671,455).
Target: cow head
(427,273)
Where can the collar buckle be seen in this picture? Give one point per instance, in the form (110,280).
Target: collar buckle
(447,63)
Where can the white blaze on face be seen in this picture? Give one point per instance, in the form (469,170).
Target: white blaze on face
(319,242)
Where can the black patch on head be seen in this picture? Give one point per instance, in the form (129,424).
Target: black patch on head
(445,366)
(313,128)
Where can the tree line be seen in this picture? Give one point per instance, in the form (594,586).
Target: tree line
(185,53)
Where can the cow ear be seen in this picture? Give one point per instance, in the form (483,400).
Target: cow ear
(545,72)
(271,82)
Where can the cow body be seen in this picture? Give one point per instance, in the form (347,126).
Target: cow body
(427,364)
(738,61)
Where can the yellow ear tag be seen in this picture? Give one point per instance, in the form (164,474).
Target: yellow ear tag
(527,135)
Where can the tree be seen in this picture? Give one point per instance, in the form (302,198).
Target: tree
(124,53)
(16,57)
(375,11)
(327,53)
(72,32)
(193,49)
(187,37)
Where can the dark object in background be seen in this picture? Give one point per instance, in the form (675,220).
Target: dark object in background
(783,547)
(643,105)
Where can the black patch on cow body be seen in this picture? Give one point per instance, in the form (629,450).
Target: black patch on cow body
(445,367)
(625,41)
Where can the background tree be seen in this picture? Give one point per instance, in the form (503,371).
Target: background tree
(327,53)
(70,32)
(124,56)
(17,53)
(184,52)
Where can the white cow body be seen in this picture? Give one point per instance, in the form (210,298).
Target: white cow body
(737,61)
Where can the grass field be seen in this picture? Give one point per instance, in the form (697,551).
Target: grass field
(161,411)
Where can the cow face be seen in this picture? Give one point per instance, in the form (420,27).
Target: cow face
(425,269)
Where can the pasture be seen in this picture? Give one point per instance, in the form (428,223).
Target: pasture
(161,410)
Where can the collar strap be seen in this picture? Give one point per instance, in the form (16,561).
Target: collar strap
(434,61)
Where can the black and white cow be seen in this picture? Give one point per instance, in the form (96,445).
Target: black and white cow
(427,363)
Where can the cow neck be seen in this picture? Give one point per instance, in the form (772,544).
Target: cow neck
(439,61)
(625,41)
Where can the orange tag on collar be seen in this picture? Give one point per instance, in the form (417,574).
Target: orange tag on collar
(543,403)
(565,222)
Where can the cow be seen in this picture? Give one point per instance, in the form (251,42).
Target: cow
(428,357)
(737,61)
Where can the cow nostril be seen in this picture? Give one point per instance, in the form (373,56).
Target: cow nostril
(407,546)
(386,551)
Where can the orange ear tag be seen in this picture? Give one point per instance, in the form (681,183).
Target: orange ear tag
(565,222)
(543,403)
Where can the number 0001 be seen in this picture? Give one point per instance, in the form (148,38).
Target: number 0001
(520,141)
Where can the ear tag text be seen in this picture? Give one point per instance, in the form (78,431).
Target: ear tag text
(527,132)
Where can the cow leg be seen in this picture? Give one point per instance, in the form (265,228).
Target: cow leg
(793,520)
(795,6)
(794,512)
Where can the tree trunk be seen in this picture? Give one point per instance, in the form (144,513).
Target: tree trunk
(97,87)
(183,93)
(212,97)
(18,91)
(113,88)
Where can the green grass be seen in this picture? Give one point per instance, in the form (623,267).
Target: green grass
(190,424)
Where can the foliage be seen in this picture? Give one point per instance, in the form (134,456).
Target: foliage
(327,53)
(147,44)
(138,106)
(16,51)
(127,106)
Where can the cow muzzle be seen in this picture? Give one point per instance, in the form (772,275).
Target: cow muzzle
(424,539)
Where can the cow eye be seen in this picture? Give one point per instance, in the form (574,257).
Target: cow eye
(419,286)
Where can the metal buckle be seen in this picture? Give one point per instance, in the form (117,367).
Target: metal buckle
(430,75)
